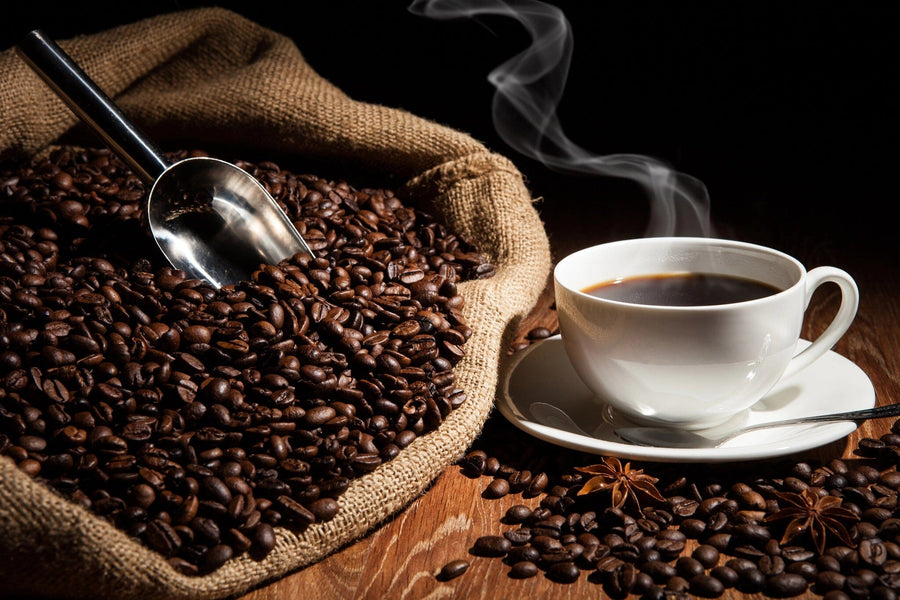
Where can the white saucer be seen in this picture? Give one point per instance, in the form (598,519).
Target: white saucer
(542,373)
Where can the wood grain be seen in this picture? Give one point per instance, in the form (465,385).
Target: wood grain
(400,559)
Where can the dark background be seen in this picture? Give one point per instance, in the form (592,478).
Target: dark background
(786,111)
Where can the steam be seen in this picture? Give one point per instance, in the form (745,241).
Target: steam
(529,87)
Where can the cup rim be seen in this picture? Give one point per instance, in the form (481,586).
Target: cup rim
(722,242)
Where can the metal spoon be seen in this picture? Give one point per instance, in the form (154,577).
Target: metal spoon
(209,218)
(554,416)
(669,437)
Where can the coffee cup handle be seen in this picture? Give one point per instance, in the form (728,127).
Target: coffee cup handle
(839,325)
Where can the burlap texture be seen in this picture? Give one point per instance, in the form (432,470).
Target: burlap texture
(209,76)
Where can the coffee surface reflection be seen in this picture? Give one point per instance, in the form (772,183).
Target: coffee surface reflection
(681,289)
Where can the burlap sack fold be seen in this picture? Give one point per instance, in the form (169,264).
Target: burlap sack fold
(209,76)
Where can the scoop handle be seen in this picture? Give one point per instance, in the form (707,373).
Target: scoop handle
(89,102)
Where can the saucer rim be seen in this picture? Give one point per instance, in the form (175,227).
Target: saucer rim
(827,432)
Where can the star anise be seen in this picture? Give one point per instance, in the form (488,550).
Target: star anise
(622,481)
(809,512)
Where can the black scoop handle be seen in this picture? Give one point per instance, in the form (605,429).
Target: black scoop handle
(89,102)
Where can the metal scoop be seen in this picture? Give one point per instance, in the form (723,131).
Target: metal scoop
(209,218)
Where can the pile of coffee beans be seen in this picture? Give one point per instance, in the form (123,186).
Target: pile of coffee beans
(713,532)
(197,419)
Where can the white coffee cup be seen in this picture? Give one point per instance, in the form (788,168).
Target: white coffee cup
(690,366)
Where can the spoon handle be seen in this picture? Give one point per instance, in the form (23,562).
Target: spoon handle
(89,102)
(890,410)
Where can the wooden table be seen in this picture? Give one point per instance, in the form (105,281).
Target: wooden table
(400,559)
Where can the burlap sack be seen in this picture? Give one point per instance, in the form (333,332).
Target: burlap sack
(210,76)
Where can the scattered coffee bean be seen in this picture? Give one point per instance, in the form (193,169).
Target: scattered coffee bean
(563,572)
(706,586)
(523,570)
(497,489)
(523,554)
(688,567)
(491,545)
(453,569)
(539,333)
(519,536)
(706,555)
(784,585)
(641,551)
(518,513)
(726,575)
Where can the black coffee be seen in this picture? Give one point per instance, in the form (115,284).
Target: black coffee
(682,289)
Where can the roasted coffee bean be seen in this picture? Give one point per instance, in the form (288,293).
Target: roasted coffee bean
(491,466)
(537,484)
(750,580)
(771,565)
(183,566)
(545,543)
(678,585)
(797,554)
(518,536)
(716,523)
(693,528)
(608,564)
(262,539)
(557,554)
(518,513)
(540,513)
(142,495)
(727,576)
(706,555)
(206,529)
(884,592)
(324,509)
(563,572)
(575,549)
(656,593)
(752,533)
(161,537)
(890,479)
(683,507)
(239,542)
(622,581)
(719,541)
(491,545)
(660,571)
(217,556)
(784,585)
(519,480)
(807,570)
(670,547)
(858,585)
(497,489)
(217,490)
(523,569)
(873,553)
(453,569)
(706,586)
(523,554)
(474,463)
(739,565)
(688,567)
